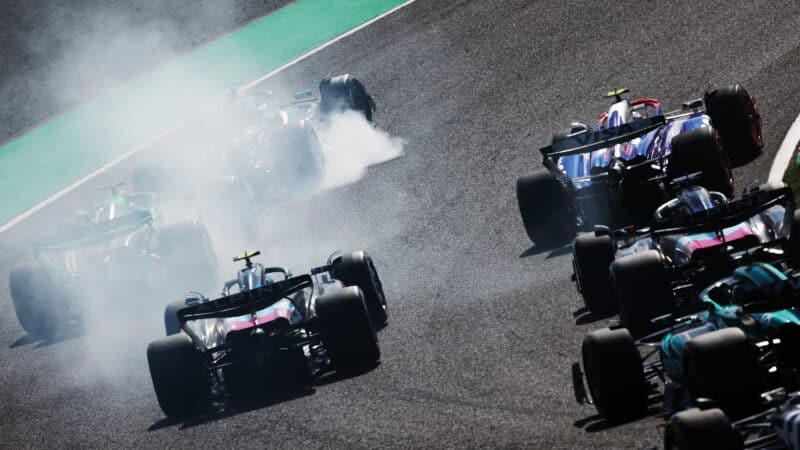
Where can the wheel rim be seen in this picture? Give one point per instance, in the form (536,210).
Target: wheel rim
(376,283)
(591,380)
(753,120)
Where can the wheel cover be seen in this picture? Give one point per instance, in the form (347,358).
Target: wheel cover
(753,120)
(376,283)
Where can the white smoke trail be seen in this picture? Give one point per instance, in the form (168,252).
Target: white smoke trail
(352,145)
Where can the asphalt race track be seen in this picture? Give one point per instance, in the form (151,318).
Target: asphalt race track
(482,330)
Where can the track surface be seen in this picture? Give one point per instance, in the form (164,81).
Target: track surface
(57,54)
(482,331)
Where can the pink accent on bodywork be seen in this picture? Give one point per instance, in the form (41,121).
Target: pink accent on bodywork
(742,231)
(277,312)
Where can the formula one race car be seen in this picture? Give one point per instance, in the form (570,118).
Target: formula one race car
(697,237)
(775,427)
(615,172)
(747,341)
(277,332)
(261,150)
(121,247)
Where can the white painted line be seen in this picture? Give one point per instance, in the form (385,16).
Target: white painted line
(327,44)
(6,226)
(16,220)
(784,156)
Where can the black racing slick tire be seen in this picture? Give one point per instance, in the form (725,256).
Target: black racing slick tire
(179,379)
(188,256)
(643,288)
(358,269)
(699,150)
(792,245)
(696,429)
(592,258)
(346,331)
(736,118)
(544,207)
(615,373)
(711,358)
(171,323)
(345,93)
(33,294)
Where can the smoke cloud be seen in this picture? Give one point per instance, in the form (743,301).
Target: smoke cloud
(204,171)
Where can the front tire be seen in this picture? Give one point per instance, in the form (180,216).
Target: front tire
(358,269)
(177,371)
(171,323)
(709,361)
(643,288)
(699,150)
(544,207)
(615,373)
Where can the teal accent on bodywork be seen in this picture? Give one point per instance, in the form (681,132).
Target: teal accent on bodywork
(775,320)
(761,275)
(757,327)
(55,154)
(94,234)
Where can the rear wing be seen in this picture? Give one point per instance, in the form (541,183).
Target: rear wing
(727,215)
(247,302)
(585,142)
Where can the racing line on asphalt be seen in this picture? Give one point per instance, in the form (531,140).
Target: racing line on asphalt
(483,332)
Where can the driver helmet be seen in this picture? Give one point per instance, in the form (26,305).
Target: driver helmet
(251,277)
(693,200)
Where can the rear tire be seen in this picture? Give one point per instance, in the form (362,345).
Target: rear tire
(696,429)
(357,269)
(709,361)
(177,371)
(33,296)
(643,288)
(615,373)
(346,330)
(592,258)
(735,116)
(699,151)
(188,256)
(544,206)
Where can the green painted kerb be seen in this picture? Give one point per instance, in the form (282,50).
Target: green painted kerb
(52,156)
